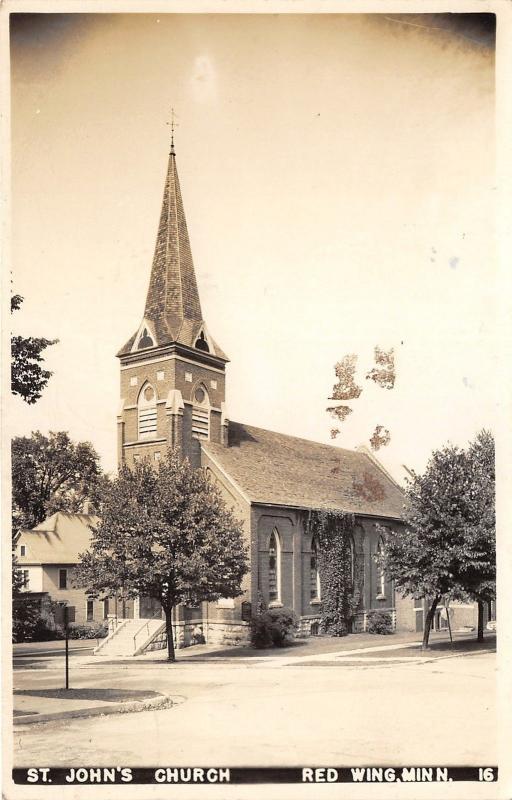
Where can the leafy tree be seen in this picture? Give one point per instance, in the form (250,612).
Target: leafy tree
(164,533)
(28,378)
(447,546)
(346,389)
(479,573)
(52,473)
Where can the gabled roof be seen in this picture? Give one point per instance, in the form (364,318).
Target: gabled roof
(273,468)
(172,302)
(57,540)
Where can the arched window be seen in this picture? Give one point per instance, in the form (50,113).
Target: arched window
(381,576)
(352,557)
(314,575)
(145,340)
(147,411)
(201,414)
(274,568)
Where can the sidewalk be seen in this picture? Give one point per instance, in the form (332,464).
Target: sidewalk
(316,650)
(322,645)
(43,705)
(362,651)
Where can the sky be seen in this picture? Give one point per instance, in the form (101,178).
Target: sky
(338,178)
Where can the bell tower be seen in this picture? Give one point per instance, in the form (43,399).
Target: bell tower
(172,371)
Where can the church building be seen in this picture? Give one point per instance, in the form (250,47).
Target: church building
(173,394)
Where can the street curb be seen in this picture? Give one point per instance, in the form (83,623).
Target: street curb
(113,708)
(364,663)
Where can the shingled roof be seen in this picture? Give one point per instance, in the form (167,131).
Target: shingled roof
(273,468)
(57,540)
(172,303)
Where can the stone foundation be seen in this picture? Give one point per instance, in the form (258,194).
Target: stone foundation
(360,623)
(227,634)
(309,626)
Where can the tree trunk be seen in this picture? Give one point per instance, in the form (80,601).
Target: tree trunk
(480,636)
(428,623)
(171,655)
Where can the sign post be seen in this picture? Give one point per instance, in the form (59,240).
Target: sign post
(69,616)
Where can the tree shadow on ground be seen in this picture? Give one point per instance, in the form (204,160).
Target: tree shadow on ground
(112,695)
(464,645)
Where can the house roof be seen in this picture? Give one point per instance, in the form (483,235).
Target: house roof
(273,468)
(57,540)
(172,303)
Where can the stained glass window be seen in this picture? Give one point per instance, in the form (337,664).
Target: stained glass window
(314,577)
(273,568)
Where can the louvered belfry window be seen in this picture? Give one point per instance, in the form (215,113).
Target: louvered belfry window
(147,412)
(201,414)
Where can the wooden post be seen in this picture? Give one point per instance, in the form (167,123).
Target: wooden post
(66,631)
(448,620)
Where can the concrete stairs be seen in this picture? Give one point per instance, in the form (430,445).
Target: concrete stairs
(130,637)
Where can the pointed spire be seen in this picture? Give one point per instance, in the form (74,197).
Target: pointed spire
(173,309)
(172,295)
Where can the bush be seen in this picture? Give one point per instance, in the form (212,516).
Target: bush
(47,631)
(272,627)
(379,622)
(26,616)
(94,631)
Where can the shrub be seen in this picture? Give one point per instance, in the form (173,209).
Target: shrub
(32,622)
(379,622)
(47,631)
(95,631)
(25,618)
(272,627)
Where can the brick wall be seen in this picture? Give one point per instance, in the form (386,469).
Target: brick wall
(165,374)
(242,512)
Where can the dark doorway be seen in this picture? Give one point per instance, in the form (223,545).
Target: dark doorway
(149,608)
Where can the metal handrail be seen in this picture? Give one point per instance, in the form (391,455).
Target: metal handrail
(110,636)
(144,625)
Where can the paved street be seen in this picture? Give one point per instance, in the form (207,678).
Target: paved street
(266,712)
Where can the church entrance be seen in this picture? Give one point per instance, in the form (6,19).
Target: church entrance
(149,608)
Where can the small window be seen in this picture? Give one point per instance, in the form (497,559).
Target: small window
(63,579)
(26,579)
(213,384)
(188,377)
(157,456)
(90,610)
(160,375)
(145,340)
(105,608)
(23,550)
(201,343)
(136,458)
(134,381)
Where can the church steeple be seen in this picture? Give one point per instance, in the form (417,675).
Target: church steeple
(172,371)
(172,295)
(173,308)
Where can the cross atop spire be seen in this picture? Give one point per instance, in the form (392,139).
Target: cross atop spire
(173,124)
